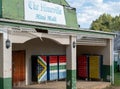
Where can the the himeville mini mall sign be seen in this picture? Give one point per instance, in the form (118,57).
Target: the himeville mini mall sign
(41,11)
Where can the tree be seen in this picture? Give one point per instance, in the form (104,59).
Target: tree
(106,23)
(115,26)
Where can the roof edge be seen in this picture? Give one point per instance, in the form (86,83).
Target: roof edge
(54,26)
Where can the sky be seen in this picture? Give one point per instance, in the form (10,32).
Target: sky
(89,10)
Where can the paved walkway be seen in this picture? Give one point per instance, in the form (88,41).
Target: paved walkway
(62,85)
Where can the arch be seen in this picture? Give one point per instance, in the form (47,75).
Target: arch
(24,37)
(61,39)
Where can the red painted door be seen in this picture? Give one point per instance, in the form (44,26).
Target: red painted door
(18,67)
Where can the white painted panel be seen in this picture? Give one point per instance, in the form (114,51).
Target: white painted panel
(41,11)
(7,59)
(92,42)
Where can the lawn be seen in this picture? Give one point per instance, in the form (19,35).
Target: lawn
(117,79)
(117,82)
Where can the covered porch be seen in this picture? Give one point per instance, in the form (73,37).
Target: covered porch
(50,43)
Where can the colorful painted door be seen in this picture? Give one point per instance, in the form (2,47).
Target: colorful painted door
(82,66)
(53,68)
(94,67)
(62,67)
(39,68)
(18,67)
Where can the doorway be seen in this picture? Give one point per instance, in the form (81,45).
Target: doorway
(18,68)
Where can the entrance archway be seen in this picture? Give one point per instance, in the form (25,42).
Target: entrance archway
(37,46)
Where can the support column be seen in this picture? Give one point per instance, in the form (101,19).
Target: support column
(71,64)
(111,43)
(5,64)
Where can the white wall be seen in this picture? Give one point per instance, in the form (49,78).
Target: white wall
(5,58)
(107,53)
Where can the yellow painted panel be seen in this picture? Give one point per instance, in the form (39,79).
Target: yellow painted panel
(94,67)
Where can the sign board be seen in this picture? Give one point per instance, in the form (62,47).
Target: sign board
(41,11)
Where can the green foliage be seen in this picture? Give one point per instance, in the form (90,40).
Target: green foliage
(115,26)
(106,23)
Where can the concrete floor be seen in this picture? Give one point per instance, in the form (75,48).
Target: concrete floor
(62,85)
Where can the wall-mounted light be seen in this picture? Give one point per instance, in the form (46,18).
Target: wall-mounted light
(74,44)
(7,43)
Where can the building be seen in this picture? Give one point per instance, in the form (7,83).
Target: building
(46,27)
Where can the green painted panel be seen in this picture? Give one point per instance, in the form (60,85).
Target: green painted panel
(61,2)
(105,72)
(71,18)
(71,79)
(54,67)
(115,66)
(0,8)
(55,1)
(5,83)
(111,74)
(62,67)
(1,83)
(70,14)
(13,9)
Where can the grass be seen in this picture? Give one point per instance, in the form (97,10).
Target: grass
(117,82)
(117,79)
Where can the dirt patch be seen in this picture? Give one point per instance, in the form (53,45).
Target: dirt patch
(92,85)
(62,85)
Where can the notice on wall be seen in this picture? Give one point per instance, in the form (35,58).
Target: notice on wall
(41,11)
